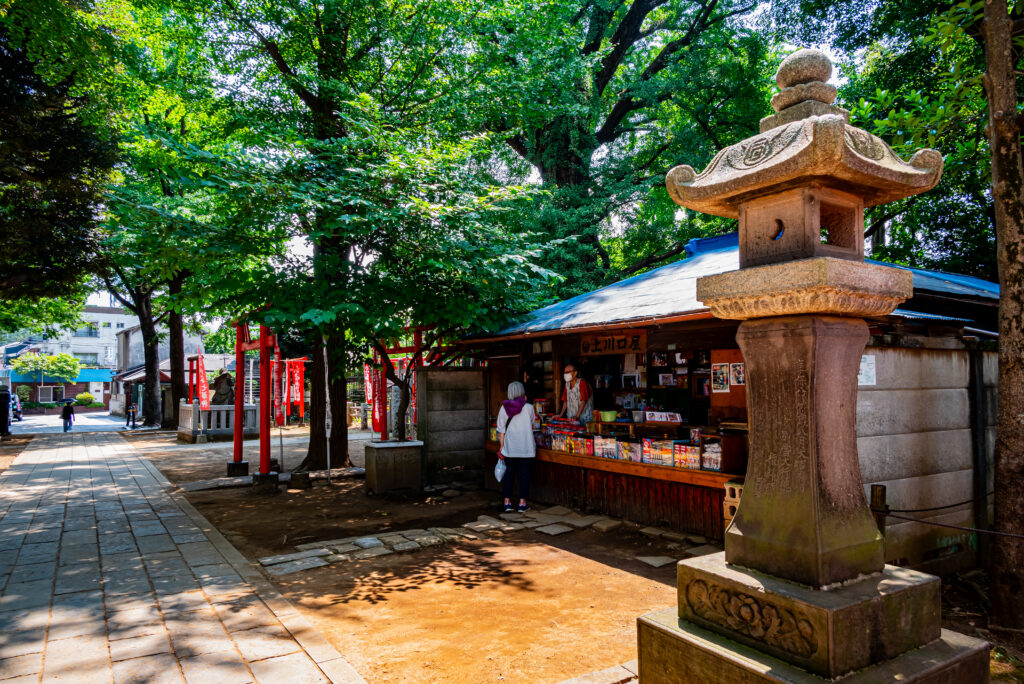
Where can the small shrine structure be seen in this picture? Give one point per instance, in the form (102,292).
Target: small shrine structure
(801,591)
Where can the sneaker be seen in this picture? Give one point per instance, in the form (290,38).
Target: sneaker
(523,508)
(509,508)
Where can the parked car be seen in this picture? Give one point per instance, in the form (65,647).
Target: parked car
(16,407)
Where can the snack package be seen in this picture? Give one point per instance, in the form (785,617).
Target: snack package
(711,458)
(630,449)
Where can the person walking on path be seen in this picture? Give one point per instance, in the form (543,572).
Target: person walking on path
(516,446)
(67,414)
(129,414)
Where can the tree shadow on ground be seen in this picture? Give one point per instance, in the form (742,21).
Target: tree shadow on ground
(461,566)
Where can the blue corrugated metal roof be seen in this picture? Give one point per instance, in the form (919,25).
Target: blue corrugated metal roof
(920,315)
(672,290)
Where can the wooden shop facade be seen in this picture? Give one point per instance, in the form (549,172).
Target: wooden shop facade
(667,443)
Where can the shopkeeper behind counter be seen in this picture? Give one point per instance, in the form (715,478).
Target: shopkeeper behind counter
(577,399)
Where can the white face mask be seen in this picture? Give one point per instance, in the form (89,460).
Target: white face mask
(567,376)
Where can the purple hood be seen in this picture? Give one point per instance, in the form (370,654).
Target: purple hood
(514,406)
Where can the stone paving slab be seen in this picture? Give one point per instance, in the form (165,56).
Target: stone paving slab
(702,550)
(656,561)
(108,574)
(619,674)
(296,566)
(312,553)
(284,478)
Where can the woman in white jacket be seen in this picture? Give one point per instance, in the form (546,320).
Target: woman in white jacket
(516,445)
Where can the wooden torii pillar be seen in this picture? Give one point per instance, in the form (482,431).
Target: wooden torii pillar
(244,343)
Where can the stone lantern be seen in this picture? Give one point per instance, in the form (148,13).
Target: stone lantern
(802,590)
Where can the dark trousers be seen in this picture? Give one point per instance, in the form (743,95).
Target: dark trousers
(67,424)
(514,467)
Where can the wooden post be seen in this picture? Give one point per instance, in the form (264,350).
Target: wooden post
(976,392)
(239,393)
(879,508)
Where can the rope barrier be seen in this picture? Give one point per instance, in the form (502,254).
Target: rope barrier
(936,508)
(954,527)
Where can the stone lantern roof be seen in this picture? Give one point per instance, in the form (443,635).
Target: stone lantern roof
(808,141)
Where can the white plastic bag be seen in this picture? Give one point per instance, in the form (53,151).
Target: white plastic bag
(499,469)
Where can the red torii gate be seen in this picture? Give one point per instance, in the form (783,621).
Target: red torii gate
(244,343)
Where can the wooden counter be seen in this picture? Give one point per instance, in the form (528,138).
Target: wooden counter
(666,496)
(701,478)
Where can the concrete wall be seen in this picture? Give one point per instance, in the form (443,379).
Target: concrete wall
(108,321)
(914,437)
(133,353)
(451,421)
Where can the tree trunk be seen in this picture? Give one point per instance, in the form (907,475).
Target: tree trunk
(1007,186)
(316,454)
(151,410)
(338,387)
(176,346)
(405,399)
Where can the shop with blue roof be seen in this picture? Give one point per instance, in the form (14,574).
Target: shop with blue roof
(662,368)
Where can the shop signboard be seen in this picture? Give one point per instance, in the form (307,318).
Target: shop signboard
(623,342)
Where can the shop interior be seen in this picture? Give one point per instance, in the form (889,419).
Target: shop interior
(670,400)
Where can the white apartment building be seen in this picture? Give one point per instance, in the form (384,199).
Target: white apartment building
(94,344)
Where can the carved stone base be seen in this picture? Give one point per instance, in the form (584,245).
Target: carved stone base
(822,285)
(828,633)
(673,651)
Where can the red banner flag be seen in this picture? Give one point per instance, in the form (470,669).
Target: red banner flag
(379,400)
(278,388)
(367,384)
(299,390)
(204,386)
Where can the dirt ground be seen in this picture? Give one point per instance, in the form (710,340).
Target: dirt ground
(190,462)
(10,447)
(519,607)
(965,606)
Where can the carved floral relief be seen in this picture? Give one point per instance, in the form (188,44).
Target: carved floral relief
(776,627)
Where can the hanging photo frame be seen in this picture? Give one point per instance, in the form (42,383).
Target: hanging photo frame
(737,374)
(719,377)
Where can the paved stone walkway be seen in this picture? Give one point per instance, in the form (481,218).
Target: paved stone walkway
(108,576)
(52,424)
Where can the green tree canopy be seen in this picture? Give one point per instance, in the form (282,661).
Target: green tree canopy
(52,166)
(61,366)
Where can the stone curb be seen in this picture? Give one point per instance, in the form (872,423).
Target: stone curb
(283,478)
(323,654)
